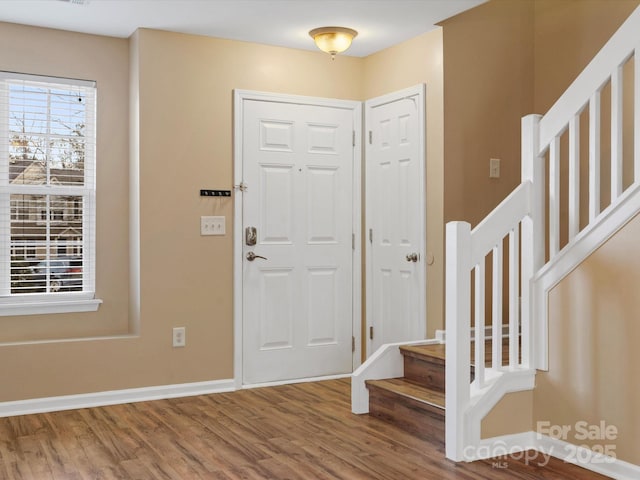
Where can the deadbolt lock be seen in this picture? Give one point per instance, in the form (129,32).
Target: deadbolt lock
(250,236)
(412,257)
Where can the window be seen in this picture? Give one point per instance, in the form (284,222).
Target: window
(47,194)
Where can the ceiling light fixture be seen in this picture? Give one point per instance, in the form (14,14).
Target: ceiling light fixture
(333,40)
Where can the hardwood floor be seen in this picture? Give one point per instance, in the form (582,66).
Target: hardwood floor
(303,431)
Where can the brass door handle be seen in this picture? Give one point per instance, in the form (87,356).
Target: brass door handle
(252,256)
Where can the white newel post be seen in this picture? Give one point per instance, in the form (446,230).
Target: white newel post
(533,233)
(458,328)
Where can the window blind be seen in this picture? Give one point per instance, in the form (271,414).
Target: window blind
(47,185)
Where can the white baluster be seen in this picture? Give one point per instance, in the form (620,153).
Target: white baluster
(616,132)
(479,324)
(636,114)
(514,300)
(496,308)
(594,156)
(574,176)
(554,197)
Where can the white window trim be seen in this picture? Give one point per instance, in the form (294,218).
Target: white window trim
(59,302)
(49,305)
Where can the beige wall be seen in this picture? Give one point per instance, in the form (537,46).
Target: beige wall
(512,414)
(568,34)
(413,62)
(186,137)
(165,132)
(594,359)
(488,77)
(61,367)
(181,90)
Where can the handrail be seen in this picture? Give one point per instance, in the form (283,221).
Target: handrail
(615,52)
(495,226)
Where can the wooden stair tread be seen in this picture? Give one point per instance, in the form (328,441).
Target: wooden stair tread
(436,353)
(426,352)
(408,389)
(416,402)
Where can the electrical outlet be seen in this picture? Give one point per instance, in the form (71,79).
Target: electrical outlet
(494,168)
(179,337)
(212,226)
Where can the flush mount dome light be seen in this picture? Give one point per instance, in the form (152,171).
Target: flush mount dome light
(333,40)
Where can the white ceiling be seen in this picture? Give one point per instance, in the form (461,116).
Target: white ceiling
(380,23)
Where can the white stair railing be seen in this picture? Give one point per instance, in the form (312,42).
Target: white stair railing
(519,225)
(467,251)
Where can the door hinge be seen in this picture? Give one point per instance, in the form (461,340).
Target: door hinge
(353,241)
(371,235)
(370,137)
(371,332)
(353,344)
(354,138)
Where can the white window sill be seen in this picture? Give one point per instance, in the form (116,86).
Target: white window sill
(62,305)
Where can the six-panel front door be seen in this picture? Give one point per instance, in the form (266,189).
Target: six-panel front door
(395,218)
(297,165)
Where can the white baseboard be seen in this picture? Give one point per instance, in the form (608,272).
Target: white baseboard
(551,447)
(113,397)
(296,380)
(587,458)
(500,446)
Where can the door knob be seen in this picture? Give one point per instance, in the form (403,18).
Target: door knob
(412,257)
(252,256)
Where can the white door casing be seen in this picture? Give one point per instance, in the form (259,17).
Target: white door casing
(296,310)
(395,217)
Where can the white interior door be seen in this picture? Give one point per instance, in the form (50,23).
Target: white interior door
(395,179)
(297,174)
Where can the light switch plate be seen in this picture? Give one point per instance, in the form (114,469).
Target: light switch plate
(179,336)
(494,168)
(212,226)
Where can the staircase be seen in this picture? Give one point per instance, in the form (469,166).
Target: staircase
(522,236)
(415,402)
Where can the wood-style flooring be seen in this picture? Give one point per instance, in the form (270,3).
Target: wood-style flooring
(303,431)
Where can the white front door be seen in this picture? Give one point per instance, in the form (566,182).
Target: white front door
(395,218)
(297,176)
